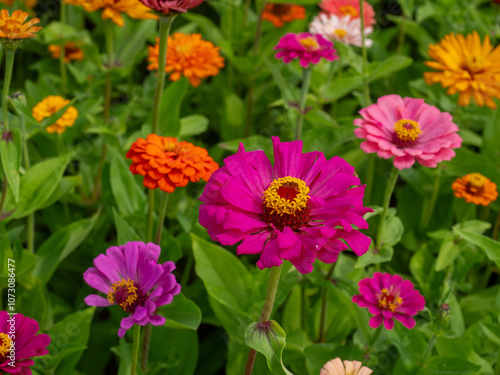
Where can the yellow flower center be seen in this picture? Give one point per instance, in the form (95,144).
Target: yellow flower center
(407,130)
(125,294)
(476,180)
(389,302)
(348,10)
(286,195)
(340,33)
(5,343)
(309,44)
(474,64)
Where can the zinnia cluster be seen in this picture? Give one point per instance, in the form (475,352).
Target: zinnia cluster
(166,163)
(475,188)
(188,55)
(50,105)
(278,14)
(131,277)
(301,209)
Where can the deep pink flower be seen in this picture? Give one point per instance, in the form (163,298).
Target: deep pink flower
(407,129)
(298,210)
(169,6)
(131,277)
(307,47)
(342,8)
(27,343)
(389,296)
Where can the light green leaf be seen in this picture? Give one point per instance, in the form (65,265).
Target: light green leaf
(447,365)
(490,246)
(10,153)
(181,313)
(193,125)
(448,252)
(387,67)
(170,106)
(125,232)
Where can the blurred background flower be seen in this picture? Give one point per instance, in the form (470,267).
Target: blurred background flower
(343,29)
(475,188)
(71,51)
(336,367)
(50,105)
(279,14)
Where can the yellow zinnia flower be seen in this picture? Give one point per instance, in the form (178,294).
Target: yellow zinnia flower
(13,27)
(71,52)
(50,105)
(466,66)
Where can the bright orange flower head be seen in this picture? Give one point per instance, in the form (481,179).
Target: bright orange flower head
(13,27)
(188,55)
(166,163)
(278,14)
(113,9)
(50,105)
(71,52)
(466,66)
(475,188)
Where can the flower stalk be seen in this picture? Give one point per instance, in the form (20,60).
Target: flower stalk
(306,82)
(366,88)
(135,348)
(387,198)
(9,66)
(109,34)
(62,66)
(161,217)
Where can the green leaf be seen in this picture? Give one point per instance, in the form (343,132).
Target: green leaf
(10,153)
(410,344)
(125,233)
(134,43)
(181,313)
(447,365)
(467,161)
(268,339)
(341,87)
(387,67)
(373,256)
(58,246)
(490,246)
(170,107)
(448,252)
(58,33)
(193,125)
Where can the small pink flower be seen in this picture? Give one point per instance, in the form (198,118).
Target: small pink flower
(169,6)
(389,296)
(307,47)
(336,367)
(351,8)
(409,130)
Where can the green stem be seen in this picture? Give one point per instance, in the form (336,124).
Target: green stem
(30,237)
(496,227)
(151,211)
(165,25)
(161,217)
(366,88)
(109,34)
(145,348)
(9,66)
(429,208)
(374,339)
(135,348)
(324,305)
(306,82)
(370,173)
(62,65)
(401,37)
(387,198)
(428,350)
(272,287)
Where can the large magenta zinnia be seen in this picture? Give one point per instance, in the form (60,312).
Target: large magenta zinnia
(409,130)
(131,278)
(27,343)
(298,210)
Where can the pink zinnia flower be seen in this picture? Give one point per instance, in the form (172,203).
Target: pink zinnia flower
(336,367)
(349,8)
(171,6)
(27,343)
(298,210)
(407,129)
(307,47)
(131,278)
(389,296)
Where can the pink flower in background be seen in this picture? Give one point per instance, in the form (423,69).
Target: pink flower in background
(389,297)
(298,210)
(336,367)
(306,47)
(131,278)
(171,6)
(349,8)
(409,130)
(26,341)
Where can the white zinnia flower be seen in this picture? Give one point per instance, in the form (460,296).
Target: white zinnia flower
(343,29)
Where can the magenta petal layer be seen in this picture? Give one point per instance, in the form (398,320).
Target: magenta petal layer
(315,211)
(431,144)
(308,48)
(132,278)
(389,297)
(171,6)
(27,343)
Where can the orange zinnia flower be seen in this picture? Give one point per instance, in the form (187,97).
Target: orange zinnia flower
(475,188)
(188,55)
(29,3)
(71,52)
(13,27)
(166,163)
(50,105)
(466,66)
(278,14)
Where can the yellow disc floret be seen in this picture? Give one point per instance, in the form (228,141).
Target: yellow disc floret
(123,293)
(387,301)
(348,10)
(340,33)
(476,180)
(5,345)
(309,43)
(407,130)
(286,195)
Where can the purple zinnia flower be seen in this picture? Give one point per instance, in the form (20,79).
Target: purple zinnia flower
(169,6)
(26,343)
(309,48)
(298,210)
(389,297)
(131,278)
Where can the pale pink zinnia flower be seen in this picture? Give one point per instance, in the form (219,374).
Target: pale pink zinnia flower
(306,47)
(171,6)
(343,29)
(349,8)
(389,297)
(409,130)
(336,367)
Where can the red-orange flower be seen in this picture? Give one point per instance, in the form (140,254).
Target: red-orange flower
(475,188)
(166,163)
(71,51)
(278,14)
(13,27)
